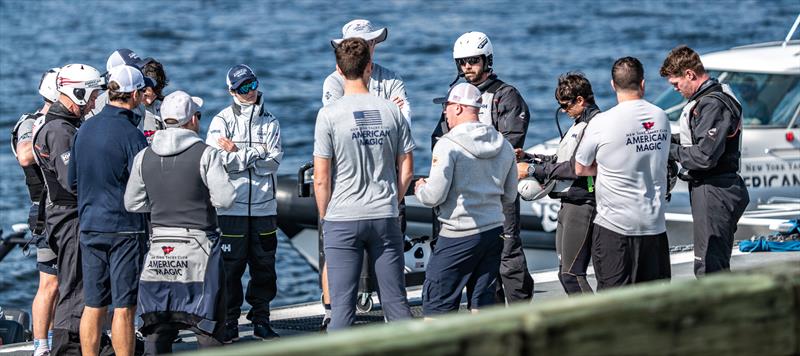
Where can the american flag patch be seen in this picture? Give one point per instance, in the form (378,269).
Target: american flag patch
(367,117)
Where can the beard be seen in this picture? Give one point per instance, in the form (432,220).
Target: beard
(474,77)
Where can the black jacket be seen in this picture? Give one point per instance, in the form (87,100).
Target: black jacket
(510,114)
(51,145)
(716,127)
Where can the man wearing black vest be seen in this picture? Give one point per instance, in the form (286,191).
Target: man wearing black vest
(78,86)
(180,181)
(504,109)
(709,147)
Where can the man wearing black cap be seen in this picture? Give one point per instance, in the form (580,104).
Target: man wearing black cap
(113,241)
(249,139)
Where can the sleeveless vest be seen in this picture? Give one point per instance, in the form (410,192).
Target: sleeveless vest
(178,197)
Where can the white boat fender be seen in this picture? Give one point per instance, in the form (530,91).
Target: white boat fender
(417,251)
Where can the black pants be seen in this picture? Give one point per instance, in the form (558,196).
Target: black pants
(516,283)
(624,259)
(717,205)
(249,241)
(63,231)
(160,340)
(574,246)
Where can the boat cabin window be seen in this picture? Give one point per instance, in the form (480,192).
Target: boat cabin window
(768,100)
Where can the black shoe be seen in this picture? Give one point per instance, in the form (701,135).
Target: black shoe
(231,333)
(263,331)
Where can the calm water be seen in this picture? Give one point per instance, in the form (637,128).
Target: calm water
(287,43)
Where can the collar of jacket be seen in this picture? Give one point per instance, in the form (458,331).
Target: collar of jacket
(708,86)
(487,83)
(59,111)
(588,113)
(237,109)
(126,114)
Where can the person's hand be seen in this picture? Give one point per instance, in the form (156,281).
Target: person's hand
(420,182)
(227,145)
(519,153)
(522,170)
(398,101)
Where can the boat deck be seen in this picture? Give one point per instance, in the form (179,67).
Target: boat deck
(304,319)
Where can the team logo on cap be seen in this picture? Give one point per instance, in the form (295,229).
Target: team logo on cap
(167,249)
(240,72)
(648,125)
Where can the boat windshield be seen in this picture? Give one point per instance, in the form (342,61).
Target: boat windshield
(768,100)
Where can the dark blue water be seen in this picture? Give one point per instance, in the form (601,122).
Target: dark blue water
(287,43)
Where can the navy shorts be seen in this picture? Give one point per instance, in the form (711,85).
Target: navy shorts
(457,262)
(112,263)
(46,259)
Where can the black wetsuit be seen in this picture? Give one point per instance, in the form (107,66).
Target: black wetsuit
(718,194)
(504,107)
(575,218)
(51,145)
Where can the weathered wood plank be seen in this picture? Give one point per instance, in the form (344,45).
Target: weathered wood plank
(746,313)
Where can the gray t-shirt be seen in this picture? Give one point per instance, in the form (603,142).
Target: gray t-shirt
(383,83)
(362,135)
(630,143)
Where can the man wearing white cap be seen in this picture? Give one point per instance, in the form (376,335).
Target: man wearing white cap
(383,82)
(179,180)
(473,173)
(112,241)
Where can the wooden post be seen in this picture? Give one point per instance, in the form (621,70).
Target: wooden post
(753,312)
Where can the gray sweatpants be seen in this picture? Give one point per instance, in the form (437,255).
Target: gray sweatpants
(345,243)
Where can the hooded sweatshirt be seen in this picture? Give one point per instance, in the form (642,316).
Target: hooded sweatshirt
(473,173)
(180,180)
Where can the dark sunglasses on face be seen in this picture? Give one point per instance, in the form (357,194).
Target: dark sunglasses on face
(198,114)
(470,60)
(565,105)
(246,88)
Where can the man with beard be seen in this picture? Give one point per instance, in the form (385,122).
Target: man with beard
(504,109)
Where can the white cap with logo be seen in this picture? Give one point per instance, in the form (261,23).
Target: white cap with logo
(129,78)
(178,108)
(462,93)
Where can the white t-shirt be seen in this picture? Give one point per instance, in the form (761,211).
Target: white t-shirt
(630,143)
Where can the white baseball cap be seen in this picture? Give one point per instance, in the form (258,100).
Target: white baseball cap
(178,107)
(362,29)
(129,79)
(462,93)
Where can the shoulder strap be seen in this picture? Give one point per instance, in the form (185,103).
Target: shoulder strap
(495,86)
(731,104)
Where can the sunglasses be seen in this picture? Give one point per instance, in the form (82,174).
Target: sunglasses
(470,60)
(198,114)
(246,88)
(565,105)
(445,105)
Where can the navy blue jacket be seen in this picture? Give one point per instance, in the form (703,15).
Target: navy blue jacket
(100,164)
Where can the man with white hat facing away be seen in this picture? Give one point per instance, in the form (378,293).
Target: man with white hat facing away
(113,241)
(179,180)
(473,173)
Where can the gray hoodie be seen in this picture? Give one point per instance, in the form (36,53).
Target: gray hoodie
(473,173)
(170,142)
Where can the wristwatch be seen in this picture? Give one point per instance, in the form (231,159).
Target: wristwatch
(531,169)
